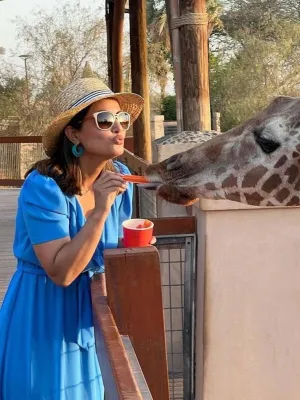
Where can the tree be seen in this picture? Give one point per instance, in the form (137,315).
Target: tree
(88,71)
(159,48)
(168,108)
(258,62)
(64,43)
(12,91)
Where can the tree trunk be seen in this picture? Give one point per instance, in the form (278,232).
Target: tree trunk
(117,48)
(139,74)
(194,64)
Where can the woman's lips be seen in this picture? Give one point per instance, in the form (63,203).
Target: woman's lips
(119,141)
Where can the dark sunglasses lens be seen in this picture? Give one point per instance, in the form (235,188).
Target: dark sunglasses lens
(105,120)
(124,120)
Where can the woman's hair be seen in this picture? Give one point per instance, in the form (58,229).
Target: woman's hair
(63,166)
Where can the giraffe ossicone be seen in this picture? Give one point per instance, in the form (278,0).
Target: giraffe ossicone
(255,163)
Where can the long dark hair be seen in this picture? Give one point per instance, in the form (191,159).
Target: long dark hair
(63,166)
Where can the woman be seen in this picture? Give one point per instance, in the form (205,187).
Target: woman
(71,207)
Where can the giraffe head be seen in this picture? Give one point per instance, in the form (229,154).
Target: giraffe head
(256,163)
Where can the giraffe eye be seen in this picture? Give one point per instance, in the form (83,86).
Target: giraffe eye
(268,146)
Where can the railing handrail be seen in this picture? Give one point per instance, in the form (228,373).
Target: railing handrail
(21,139)
(118,377)
(135,163)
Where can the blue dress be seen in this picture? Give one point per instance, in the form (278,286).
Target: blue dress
(47,343)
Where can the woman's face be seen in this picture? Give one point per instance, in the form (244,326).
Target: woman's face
(106,144)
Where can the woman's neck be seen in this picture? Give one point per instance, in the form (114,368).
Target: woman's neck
(91,168)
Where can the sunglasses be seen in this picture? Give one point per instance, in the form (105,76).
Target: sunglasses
(105,119)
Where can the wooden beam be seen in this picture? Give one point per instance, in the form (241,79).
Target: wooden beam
(117,46)
(135,298)
(21,139)
(174,226)
(11,182)
(194,63)
(139,73)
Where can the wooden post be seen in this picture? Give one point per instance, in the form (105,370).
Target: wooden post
(193,24)
(109,11)
(134,296)
(117,48)
(173,12)
(139,73)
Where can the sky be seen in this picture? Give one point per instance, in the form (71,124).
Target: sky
(11,9)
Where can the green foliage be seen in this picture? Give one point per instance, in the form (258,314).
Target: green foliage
(258,60)
(11,96)
(168,108)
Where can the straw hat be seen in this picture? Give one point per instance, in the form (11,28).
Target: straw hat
(79,95)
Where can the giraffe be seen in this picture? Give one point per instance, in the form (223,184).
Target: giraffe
(255,163)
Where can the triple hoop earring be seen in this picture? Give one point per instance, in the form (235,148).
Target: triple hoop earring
(77,150)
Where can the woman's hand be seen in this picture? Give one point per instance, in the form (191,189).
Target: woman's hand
(106,187)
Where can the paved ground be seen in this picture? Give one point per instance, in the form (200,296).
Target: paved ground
(8,204)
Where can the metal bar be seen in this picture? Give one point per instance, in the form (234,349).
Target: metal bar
(189,318)
(171,327)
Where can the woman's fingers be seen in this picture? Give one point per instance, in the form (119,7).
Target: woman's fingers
(107,176)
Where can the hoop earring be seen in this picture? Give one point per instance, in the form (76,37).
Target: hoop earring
(77,150)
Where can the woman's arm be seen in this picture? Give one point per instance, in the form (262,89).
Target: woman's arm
(65,258)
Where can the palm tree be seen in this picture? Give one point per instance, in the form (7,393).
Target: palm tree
(158,21)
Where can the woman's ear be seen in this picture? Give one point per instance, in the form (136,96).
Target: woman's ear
(72,134)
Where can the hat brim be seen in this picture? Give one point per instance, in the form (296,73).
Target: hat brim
(129,102)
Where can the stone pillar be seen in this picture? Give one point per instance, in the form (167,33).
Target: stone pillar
(157,127)
(248,296)
(216,122)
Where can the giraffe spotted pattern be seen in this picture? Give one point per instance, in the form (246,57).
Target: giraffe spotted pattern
(257,162)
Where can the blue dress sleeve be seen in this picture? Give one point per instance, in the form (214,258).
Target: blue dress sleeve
(45,209)
(125,208)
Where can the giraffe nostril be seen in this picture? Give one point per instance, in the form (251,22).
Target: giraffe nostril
(173,162)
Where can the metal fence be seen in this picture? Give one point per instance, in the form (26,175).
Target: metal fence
(147,204)
(177,255)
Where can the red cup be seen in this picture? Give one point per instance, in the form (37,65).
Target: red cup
(134,233)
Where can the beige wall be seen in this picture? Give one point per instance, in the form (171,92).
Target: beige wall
(248,305)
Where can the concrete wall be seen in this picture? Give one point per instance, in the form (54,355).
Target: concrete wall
(248,302)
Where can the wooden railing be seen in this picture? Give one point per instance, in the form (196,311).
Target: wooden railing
(131,308)
(136,164)
(128,311)
(118,374)
(37,140)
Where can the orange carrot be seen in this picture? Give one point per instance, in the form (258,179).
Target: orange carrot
(135,179)
(147,224)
